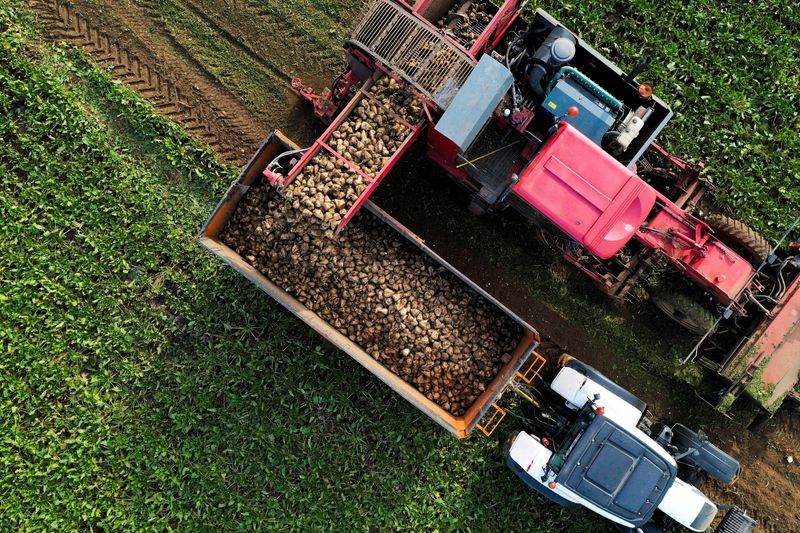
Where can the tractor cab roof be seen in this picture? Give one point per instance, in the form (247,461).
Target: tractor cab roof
(617,470)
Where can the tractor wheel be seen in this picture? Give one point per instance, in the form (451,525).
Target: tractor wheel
(563,359)
(555,365)
(707,457)
(741,237)
(644,528)
(478,207)
(684,310)
(760,421)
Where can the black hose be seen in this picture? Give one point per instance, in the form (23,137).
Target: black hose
(536,80)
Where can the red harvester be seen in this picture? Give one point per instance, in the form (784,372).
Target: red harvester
(526,115)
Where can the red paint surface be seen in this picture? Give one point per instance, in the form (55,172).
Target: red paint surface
(711,264)
(775,346)
(280,181)
(587,193)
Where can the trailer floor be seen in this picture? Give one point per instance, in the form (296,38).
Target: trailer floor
(236,58)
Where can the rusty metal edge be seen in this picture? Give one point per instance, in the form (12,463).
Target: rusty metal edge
(461,426)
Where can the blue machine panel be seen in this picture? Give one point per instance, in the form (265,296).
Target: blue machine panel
(594,117)
(474,104)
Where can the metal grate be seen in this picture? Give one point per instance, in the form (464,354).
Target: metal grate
(477,28)
(413,49)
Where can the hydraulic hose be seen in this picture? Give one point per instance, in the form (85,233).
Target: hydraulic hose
(538,73)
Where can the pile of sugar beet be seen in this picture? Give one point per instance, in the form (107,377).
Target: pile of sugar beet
(326,188)
(387,296)
(462,20)
(404,309)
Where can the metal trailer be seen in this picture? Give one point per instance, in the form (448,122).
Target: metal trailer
(485,407)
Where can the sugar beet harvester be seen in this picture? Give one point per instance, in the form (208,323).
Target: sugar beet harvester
(579,418)
(529,116)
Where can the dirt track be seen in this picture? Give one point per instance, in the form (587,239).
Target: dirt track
(130,38)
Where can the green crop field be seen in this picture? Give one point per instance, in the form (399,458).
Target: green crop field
(144,385)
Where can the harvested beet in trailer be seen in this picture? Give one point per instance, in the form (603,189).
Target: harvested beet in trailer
(402,308)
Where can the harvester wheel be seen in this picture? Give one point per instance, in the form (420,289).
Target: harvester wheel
(684,310)
(741,237)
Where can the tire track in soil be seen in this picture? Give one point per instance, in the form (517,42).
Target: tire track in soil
(286,111)
(291,115)
(237,43)
(172,96)
(768,484)
(319,75)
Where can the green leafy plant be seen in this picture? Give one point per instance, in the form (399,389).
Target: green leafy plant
(145,386)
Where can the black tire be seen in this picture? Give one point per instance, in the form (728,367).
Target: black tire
(740,237)
(684,310)
(563,360)
(760,421)
(644,528)
(478,207)
(708,457)
(505,445)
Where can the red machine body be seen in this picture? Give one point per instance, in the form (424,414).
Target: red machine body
(602,204)
(612,216)
(489,36)
(585,192)
(690,245)
(766,363)
(571,181)
(775,347)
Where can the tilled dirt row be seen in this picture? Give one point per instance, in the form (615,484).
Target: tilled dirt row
(401,307)
(216,120)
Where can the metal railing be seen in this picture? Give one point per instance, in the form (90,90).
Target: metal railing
(408,45)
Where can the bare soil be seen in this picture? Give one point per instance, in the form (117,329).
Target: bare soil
(419,197)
